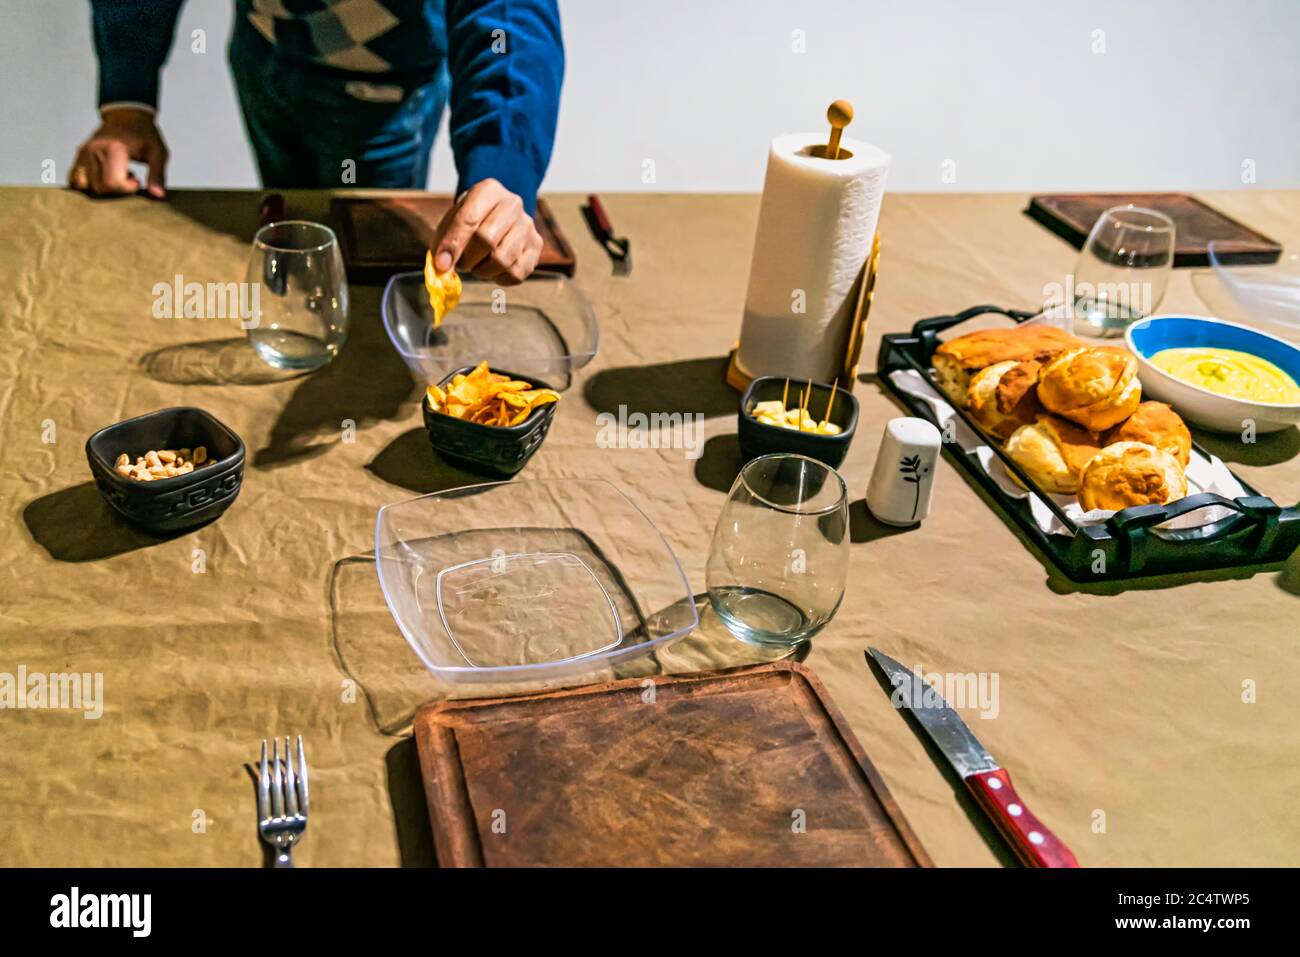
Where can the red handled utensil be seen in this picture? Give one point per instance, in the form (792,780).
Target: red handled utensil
(272,210)
(619,248)
(987,781)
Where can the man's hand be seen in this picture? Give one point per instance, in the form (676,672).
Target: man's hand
(124,134)
(489,234)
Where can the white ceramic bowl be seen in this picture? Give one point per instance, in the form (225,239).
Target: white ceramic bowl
(1208,409)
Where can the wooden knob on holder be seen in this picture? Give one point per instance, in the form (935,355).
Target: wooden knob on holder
(840,115)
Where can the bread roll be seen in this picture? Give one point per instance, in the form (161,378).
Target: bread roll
(1053,452)
(956,360)
(1131,473)
(1096,388)
(1155,424)
(1003,397)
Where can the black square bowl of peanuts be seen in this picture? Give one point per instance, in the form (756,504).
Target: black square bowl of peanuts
(169,470)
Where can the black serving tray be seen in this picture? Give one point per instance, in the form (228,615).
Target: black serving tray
(1128,544)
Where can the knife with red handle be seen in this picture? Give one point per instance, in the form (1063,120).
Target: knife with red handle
(988,782)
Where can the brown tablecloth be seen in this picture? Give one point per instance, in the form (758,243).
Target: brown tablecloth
(1121,708)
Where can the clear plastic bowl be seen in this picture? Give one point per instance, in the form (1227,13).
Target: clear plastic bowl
(529,581)
(544,327)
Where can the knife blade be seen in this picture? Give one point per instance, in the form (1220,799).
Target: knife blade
(988,782)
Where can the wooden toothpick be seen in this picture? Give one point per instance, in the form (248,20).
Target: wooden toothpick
(830,403)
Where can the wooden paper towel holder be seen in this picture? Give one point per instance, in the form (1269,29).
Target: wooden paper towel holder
(865,287)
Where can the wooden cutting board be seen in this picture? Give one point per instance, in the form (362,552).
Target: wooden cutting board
(380,237)
(748,767)
(1072,216)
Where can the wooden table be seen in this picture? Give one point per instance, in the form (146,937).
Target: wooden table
(1125,714)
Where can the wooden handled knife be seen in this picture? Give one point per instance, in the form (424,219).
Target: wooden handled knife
(987,780)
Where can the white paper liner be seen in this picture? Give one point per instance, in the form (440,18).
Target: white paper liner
(1203,475)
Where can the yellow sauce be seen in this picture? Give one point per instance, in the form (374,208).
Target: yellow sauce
(1238,375)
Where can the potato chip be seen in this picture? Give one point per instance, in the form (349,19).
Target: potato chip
(487,398)
(444,289)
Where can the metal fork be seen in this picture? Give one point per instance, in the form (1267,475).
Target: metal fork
(282,800)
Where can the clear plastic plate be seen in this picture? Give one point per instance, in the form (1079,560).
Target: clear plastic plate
(1265,297)
(544,327)
(529,580)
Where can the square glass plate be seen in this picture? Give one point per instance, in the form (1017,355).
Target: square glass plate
(529,580)
(498,611)
(544,327)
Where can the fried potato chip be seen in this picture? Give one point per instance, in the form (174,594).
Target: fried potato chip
(444,289)
(488,398)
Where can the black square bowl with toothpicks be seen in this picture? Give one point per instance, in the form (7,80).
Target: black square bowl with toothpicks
(172,504)
(823,403)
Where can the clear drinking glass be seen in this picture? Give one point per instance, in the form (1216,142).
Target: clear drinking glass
(299,295)
(780,554)
(1123,271)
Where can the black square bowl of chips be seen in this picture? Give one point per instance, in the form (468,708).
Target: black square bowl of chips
(499,450)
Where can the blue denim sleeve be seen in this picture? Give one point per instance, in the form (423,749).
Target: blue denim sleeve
(132,39)
(506,59)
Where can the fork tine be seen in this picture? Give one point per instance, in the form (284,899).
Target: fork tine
(302,778)
(264,788)
(290,785)
(277,793)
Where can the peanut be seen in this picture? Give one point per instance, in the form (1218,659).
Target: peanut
(161,463)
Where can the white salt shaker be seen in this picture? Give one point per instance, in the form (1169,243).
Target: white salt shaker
(902,482)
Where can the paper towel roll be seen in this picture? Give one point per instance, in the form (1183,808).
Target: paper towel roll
(815,228)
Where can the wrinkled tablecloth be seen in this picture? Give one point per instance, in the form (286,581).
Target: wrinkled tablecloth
(1147,724)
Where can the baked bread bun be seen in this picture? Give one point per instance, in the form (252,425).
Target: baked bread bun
(1096,388)
(1155,424)
(956,360)
(1131,473)
(1004,397)
(1053,452)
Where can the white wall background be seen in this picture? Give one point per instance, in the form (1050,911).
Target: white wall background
(1010,91)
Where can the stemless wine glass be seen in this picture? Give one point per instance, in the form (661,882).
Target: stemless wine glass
(1123,271)
(299,295)
(780,553)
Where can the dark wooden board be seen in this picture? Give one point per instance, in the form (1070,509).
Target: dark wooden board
(711,769)
(1072,216)
(383,236)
